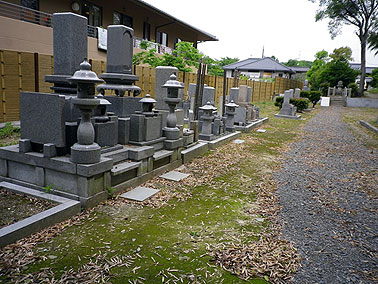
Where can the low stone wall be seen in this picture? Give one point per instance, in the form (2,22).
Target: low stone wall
(362,102)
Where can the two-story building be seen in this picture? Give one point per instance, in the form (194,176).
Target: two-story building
(26,24)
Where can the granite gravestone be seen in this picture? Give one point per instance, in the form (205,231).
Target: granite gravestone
(42,118)
(70,45)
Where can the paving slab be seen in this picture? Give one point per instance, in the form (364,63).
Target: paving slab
(238,141)
(175,176)
(140,193)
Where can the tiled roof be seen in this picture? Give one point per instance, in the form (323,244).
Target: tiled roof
(259,64)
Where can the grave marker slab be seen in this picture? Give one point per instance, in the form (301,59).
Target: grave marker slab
(140,193)
(174,176)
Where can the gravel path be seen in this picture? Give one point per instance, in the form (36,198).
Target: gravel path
(326,187)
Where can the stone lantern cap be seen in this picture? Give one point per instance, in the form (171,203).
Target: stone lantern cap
(85,75)
(208,107)
(173,83)
(231,104)
(147,100)
(103,102)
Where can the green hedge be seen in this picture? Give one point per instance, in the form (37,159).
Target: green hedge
(313,96)
(301,104)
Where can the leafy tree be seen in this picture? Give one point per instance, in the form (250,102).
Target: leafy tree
(342,53)
(184,56)
(321,58)
(298,63)
(337,70)
(374,75)
(373,39)
(363,14)
(274,58)
(215,66)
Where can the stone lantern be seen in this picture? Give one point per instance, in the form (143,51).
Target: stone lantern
(171,131)
(230,114)
(207,119)
(148,106)
(85,151)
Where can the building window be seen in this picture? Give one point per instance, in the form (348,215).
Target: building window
(122,19)
(162,38)
(93,13)
(32,4)
(146,31)
(177,40)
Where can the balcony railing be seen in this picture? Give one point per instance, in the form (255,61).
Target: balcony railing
(21,13)
(159,48)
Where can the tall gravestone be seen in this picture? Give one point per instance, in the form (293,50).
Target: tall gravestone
(162,75)
(70,45)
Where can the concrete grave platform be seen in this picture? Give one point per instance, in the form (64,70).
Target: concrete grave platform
(288,116)
(251,125)
(192,152)
(369,126)
(223,139)
(174,176)
(140,193)
(64,209)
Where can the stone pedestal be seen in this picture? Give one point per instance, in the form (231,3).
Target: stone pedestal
(230,114)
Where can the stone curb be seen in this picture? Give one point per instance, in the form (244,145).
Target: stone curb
(64,209)
(369,126)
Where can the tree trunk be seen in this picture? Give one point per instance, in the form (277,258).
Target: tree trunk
(363,40)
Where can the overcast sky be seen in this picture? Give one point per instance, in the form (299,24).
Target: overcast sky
(286,28)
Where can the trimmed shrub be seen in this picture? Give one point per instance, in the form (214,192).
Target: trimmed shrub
(301,104)
(279,101)
(324,88)
(354,88)
(313,96)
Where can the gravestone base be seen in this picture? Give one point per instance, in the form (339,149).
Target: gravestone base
(106,133)
(158,143)
(207,137)
(173,144)
(85,154)
(87,183)
(171,133)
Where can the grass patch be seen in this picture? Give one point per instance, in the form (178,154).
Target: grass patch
(220,204)
(352,116)
(9,135)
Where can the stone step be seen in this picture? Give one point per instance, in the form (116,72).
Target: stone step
(124,167)
(118,155)
(162,154)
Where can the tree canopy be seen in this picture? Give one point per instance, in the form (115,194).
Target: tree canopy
(331,69)
(185,56)
(298,63)
(363,14)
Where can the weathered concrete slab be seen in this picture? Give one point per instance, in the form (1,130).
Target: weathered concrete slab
(194,151)
(174,176)
(224,139)
(140,193)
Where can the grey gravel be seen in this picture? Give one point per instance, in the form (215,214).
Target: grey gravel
(327,211)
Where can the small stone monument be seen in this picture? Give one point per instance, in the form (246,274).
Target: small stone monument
(305,87)
(207,119)
(288,110)
(230,114)
(85,151)
(297,93)
(339,89)
(146,125)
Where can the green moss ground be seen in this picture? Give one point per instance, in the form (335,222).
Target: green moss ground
(352,116)
(173,239)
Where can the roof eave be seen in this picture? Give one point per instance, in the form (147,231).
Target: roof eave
(206,36)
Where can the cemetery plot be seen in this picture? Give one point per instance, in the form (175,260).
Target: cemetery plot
(15,207)
(183,232)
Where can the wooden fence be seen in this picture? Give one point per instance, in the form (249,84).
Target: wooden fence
(25,72)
